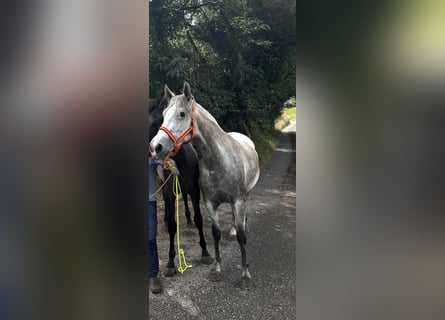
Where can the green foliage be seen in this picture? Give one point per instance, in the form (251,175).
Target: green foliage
(238,55)
(290,103)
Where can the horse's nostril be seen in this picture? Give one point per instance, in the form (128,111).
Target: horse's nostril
(158,148)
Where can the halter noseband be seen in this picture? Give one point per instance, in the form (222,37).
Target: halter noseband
(179,142)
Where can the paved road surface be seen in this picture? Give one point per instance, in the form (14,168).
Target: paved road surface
(271,253)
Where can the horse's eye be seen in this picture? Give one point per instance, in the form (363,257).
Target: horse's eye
(182,114)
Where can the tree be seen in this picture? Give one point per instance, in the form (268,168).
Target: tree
(239,56)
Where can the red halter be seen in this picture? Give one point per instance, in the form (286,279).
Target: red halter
(179,142)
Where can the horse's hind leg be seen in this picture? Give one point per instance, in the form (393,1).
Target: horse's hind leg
(205,255)
(232,232)
(239,209)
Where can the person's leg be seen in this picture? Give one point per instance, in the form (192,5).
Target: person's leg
(153,260)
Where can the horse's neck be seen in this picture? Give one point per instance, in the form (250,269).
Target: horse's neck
(209,136)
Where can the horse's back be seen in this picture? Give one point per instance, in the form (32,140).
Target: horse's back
(243,139)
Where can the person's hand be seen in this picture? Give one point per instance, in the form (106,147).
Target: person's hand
(171,165)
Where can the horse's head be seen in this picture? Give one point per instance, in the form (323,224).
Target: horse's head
(178,125)
(155,115)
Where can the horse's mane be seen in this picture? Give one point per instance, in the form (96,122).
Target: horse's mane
(206,113)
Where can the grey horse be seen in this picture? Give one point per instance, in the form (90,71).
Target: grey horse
(228,162)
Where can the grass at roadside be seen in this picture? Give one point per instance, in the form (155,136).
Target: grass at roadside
(287,115)
(291,112)
(265,143)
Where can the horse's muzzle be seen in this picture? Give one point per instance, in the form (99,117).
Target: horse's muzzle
(155,149)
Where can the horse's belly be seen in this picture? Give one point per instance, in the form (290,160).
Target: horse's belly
(217,188)
(253,179)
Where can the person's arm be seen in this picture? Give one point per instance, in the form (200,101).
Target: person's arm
(159,167)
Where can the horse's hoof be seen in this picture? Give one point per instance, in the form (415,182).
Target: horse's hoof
(170,272)
(245,284)
(231,237)
(232,234)
(206,259)
(215,276)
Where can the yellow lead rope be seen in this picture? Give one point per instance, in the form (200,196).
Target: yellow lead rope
(181,255)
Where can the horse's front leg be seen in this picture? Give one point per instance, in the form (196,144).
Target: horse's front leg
(187,210)
(216,232)
(205,256)
(171,223)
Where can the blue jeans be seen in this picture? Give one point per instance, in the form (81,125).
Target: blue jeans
(153,260)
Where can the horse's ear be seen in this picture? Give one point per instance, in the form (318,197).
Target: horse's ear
(187,91)
(168,94)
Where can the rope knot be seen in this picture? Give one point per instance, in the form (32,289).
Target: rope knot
(170,164)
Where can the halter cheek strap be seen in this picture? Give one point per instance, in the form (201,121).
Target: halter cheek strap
(179,142)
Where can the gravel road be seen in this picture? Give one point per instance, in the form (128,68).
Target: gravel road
(271,245)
